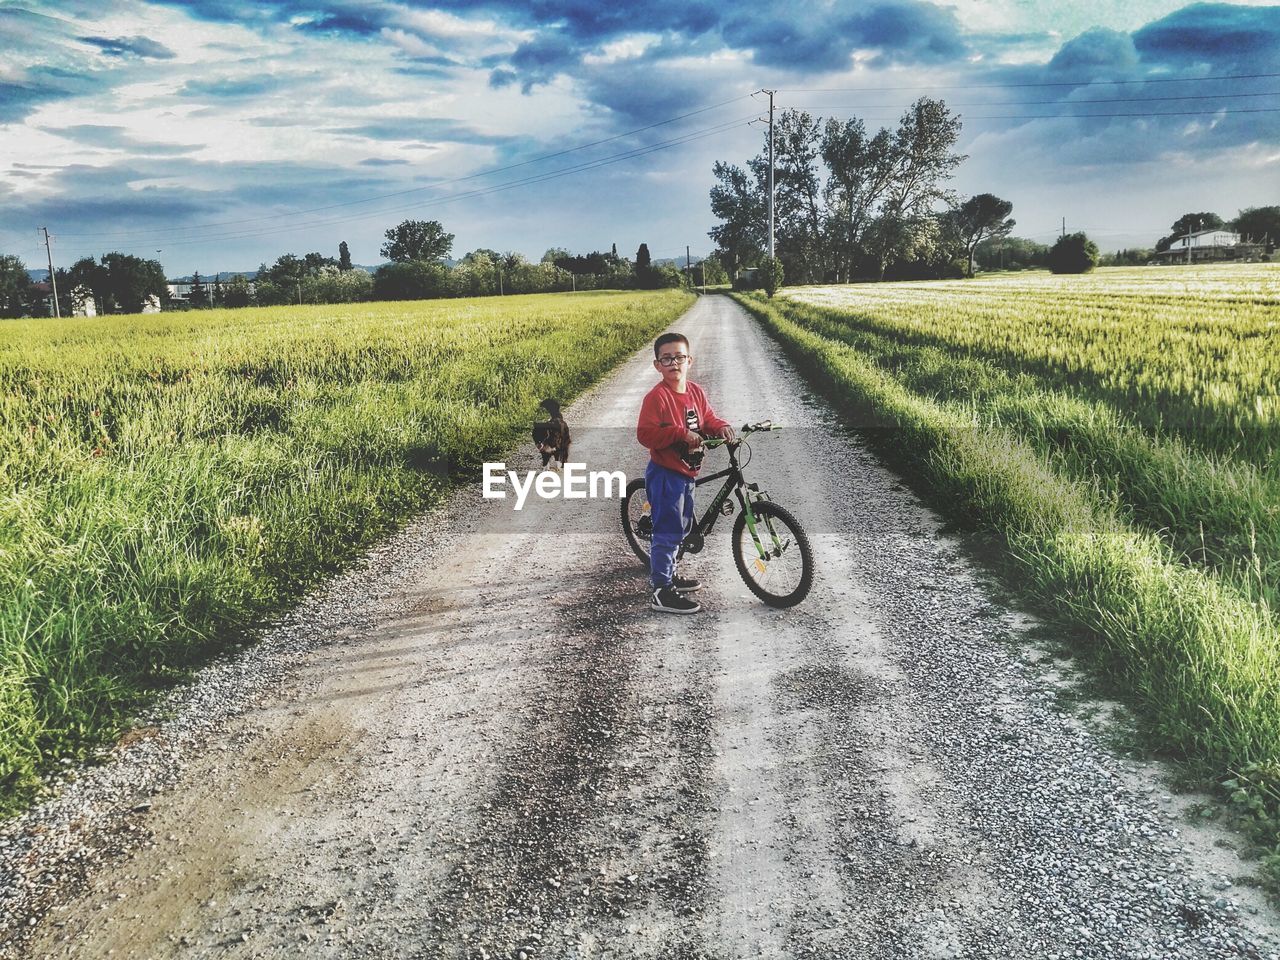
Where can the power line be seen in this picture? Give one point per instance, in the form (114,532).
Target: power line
(1045,83)
(1090,116)
(1064,103)
(412,190)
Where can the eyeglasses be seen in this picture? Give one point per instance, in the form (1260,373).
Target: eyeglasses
(671,361)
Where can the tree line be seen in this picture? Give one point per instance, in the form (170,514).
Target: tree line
(852,204)
(419,267)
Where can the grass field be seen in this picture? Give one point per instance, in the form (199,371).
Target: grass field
(1120,434)
(166,480)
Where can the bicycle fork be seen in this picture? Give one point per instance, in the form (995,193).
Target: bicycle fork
(755,495)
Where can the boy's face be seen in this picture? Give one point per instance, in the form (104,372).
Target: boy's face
(673,362)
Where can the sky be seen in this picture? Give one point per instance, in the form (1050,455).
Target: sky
(215,135)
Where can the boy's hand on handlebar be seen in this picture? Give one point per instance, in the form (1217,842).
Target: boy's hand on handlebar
(726,434)
(692,440)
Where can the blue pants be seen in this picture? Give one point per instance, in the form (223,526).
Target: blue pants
(670,497)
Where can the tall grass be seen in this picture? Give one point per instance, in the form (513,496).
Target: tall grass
(165,480)
(1211,509)
(1193,352)
(1200,653)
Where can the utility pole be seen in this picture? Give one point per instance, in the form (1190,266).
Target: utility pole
(688,264)
(1064,226)
(53,281)
(771,93)
(500,293)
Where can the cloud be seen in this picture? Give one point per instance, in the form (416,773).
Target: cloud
(421,129)
(224,88)
(909,32)
(1096,53)
(17,100)
(542,59)
(823,40)
(342,22)
(1217,35)
(140,47)
(39,85)
(115,138)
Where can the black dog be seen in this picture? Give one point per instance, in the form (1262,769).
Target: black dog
(552,437)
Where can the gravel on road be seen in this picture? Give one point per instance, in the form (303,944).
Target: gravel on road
(479,742)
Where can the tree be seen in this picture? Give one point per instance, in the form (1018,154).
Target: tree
(982,217)
(920,160)
(344,257)
(333,285)
(643,259)
(199,296)
(412,280)
(739,201)
(1127,257)
(1011,253)
(121,283)
(236,292)
(287,271)
(1073,253)
(770,274)
(1189,223)
(555,254)
(476,275)
(798,213)
(860,170)
(417,240)
(713,272)
(1258,225)
(15,287)
(314,264)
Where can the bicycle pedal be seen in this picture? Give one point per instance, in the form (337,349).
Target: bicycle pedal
(727,508)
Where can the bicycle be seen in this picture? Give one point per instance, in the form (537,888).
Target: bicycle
(770,549)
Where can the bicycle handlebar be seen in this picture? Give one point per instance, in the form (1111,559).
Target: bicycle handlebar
(762,426)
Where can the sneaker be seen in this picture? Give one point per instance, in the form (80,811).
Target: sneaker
(685,585)
(668,601)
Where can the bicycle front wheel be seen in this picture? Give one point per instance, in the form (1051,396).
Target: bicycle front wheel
(783,576)
(637,519)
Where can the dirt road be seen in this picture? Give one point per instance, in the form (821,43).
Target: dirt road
(496,750)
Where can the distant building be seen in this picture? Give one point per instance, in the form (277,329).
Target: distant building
(1209,246)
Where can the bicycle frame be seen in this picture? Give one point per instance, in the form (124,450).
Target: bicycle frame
(737,483)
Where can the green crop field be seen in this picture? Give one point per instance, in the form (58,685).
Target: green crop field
(1120,434)
(167,479)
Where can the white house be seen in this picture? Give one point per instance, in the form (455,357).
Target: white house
(1209,246)
(1207,238)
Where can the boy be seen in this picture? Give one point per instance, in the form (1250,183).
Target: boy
(674,417)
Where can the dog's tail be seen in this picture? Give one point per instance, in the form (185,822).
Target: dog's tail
(552,407)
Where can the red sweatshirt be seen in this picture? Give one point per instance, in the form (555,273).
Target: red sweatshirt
(666,416)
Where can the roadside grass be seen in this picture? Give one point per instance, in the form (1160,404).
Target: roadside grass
(1185,634)
(166,481)
(1211,509)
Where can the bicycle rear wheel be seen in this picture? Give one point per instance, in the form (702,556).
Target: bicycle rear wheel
(783,576)
(637,519)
